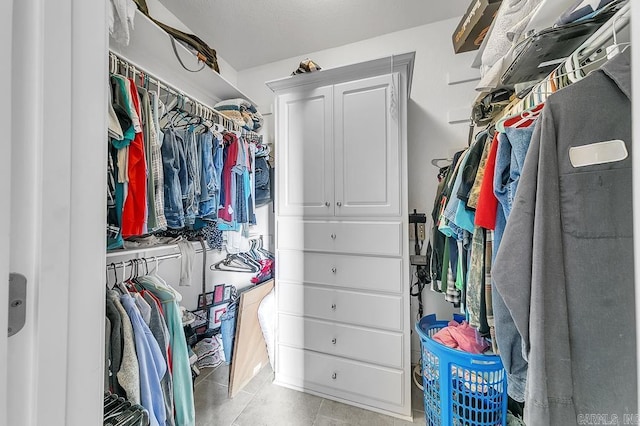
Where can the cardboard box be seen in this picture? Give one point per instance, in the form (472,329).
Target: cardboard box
(474,25)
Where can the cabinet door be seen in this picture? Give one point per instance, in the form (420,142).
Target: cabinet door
(367,144)
(305,153)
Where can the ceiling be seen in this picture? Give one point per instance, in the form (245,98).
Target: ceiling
(251,33)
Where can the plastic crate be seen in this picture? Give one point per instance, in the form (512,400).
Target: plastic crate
(460,388)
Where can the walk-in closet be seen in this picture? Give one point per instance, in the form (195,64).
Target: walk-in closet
(319,213)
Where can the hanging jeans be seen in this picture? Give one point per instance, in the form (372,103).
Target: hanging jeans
(512,150)
(207,209)
(189,182)
(173,167)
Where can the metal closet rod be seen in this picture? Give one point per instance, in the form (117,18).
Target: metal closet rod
(199,108)
(153,259)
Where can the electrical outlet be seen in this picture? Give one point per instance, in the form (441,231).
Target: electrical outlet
(421,232)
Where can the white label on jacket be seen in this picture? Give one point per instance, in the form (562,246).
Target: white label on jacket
(598,153)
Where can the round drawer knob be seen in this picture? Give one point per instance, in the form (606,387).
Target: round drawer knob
(334,340)
(339,203)
(326,203)
(333,307)
(333,236)
(334,376)
(334,270)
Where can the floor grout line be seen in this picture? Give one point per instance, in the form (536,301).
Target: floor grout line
(252,397)
(315,420)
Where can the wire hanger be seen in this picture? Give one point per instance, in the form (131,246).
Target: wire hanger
(436,162)
(235,263)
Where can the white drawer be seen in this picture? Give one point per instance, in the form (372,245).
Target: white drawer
(376,346)
(362,272)
(370,310)
(374,238)
(340,377)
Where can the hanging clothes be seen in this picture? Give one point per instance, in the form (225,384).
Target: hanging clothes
(512,149)
(227,193)
(128,374)
(207,200)
(569,234)
(160,332)
(182,381)
(487,206)
(152,366)
(114,354)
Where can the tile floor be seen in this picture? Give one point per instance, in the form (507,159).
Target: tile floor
(261,403)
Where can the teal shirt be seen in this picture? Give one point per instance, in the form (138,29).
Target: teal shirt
(182,381)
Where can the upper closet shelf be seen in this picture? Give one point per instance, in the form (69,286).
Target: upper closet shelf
(150,49)
(393,63)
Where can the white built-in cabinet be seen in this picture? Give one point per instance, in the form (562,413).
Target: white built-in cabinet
(340,150)
(342,278)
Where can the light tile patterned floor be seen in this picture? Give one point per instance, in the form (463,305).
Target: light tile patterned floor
(261,403)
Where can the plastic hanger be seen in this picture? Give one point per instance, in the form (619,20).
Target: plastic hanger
(120,284)
(436,162)
(522,118)
(156,281)
(113,266)
(234,263)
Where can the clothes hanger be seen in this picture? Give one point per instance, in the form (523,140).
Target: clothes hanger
(233,263)
(524,117)
(217,126)
(436,162)
(120,284)
(116,408)
(115,274)
(157,281)
(252,263)
(129,284)
(264,250)
(575,67)
(128,415)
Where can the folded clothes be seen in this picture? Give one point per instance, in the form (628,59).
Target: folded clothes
(461,336)
(242,112)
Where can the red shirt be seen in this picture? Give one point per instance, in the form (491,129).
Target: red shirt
(487,207)
(135,206)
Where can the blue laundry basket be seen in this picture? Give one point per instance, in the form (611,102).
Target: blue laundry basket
(460,389)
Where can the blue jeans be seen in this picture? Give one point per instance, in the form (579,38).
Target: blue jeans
(171,161)
(207,209)
(228,331)
(188,175)
(512,149)
(218,165)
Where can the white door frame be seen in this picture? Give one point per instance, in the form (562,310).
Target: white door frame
(58,208)
(6,14)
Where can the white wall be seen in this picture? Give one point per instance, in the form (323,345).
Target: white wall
(432,101)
